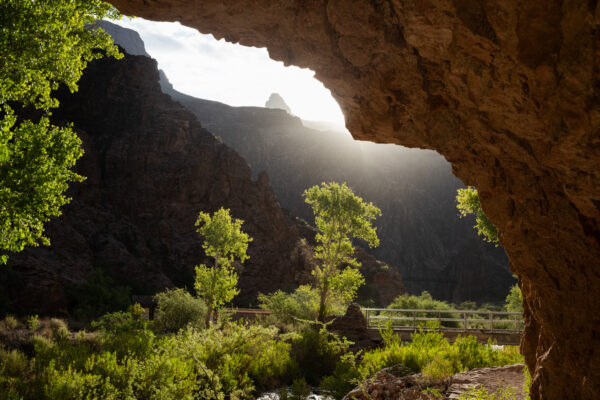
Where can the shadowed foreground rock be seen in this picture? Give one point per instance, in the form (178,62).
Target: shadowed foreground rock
(506,90)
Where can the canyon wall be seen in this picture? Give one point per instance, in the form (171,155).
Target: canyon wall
(506,90)
(420,231)
(150,168)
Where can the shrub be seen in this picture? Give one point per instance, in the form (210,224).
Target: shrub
(300,389)
(297,307)
(423,302)
(345,377)
(237,357)
(317,352)
(121,333)
(429,352)
(9,322)
(13,363)
(97,296)
(33,323)
(177,308)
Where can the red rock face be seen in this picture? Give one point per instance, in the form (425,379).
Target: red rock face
(508,91)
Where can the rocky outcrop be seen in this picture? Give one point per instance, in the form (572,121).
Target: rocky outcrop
(509,378)
(397,383)
(150,169)
(507,91)
(353,326)
(277,102)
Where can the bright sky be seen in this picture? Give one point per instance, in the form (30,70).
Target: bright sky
(203,67)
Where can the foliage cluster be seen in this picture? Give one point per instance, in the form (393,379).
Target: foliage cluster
(340,216)
(42,45)
(125,358)
(468,203)
(225,242)
(177,309)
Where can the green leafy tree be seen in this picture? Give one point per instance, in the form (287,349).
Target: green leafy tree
(514,300)
(340,216)
(468,203)
(43,44)
(224,241)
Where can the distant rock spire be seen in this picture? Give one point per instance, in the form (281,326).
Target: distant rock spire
(277,102)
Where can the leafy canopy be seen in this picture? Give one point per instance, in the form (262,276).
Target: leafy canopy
(42,44)
(340,216)
(224,241)
(468,203)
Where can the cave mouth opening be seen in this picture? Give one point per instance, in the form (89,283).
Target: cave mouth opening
(201,66)
(434,249)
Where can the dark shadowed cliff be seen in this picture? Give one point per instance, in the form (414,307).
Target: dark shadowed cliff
(421,233)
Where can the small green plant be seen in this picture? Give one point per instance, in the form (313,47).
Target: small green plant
(479,393)
(526,383)
(300,389)
(33,323)
(435,393)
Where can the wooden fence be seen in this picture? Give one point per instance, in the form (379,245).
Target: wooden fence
(447,320)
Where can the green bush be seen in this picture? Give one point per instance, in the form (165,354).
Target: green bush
(429,352)
(177,308)
(423,302)
(297,307)
(317,352)
(239,357)
(97,296)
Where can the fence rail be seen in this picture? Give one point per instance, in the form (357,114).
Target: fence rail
(448,320)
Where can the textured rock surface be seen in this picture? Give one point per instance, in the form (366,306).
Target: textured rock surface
(396,383)
(420,232)
(150,169)
(506,90)
(492,380)
(393,384)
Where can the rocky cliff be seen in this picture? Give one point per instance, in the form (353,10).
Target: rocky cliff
(150,169)
(506,90)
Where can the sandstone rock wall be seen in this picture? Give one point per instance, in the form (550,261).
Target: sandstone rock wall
(506,90)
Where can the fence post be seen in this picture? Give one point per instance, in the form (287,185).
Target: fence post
(367,317)
(491,321)
(465,321)
(414,320)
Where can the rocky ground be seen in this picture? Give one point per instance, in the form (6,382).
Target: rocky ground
(391,383)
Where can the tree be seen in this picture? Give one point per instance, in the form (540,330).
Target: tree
(224,241)
(468,203)
(340,215)
(514,300)
(42,44)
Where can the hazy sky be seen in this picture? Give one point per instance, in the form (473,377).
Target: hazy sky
(203,67)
